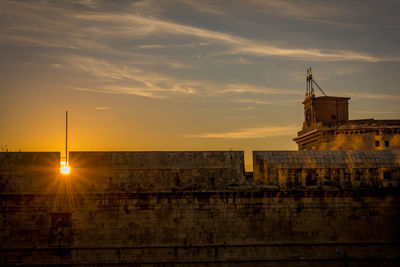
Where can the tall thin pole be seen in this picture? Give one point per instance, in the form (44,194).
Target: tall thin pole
(66,136)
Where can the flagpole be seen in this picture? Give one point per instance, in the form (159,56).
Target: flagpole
(66,136)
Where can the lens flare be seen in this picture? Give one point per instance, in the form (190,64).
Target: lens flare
(65,169)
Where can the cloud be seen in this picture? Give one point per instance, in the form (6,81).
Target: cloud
(258,101)
(247,109)
(58,66)
(118,90)
(150,46)
(187,45)
(204,7)
(102,108)
(57,26)
(235,44)
(242,60)
(335,13)
(126,79)
(368,95)
(250,133)
(87,33)
(239,88)
(255,101)
(298,9)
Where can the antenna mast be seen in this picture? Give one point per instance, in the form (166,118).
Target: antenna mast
(309,85)
(66,136)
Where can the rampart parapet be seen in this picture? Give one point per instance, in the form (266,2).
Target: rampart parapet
(28,172)
(27,161)
(37,172)
(156,171)
(327,168)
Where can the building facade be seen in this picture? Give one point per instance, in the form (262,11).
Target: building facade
(327,126)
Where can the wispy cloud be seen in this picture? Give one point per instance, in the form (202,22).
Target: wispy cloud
(330,13)
(57,66)
(118,90)
(239,88)
(234,44)
(247,109)
(258,101)
(250,133)
(298,9)
(150,46)
(187,45)
(81,28)
(255,101)
(102,108)
(126,79)
(204,7)
(372,96)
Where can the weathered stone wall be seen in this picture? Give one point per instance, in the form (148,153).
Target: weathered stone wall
(268,227)
(72,220)
(156,171)
(342,169)
(28,172)
(354,139)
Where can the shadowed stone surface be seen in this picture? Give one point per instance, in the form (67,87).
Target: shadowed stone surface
(85,219)
(341,168)
(28,172)
(156,171)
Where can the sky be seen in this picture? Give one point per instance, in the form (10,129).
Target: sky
(188,75)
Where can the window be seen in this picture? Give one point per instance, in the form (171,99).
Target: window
(387,143)
(311,179)
(387,175)
(376,143)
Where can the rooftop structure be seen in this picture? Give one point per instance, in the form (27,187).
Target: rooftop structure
(327,126)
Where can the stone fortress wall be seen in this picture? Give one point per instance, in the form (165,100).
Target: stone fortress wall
(157,171)
(304,208)
(325,168)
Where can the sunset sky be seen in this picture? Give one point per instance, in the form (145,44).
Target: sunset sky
(188,75)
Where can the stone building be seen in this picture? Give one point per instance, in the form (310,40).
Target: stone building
(327,126)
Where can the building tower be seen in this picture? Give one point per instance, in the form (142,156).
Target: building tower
(327,126)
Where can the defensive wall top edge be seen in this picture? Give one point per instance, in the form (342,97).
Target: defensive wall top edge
(328,158)
(21,160)
(201,159)
(158,159)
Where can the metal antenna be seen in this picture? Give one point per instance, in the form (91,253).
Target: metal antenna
(309,85)
(319,87)
(66,136)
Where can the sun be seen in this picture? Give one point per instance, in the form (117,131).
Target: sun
(65,169)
